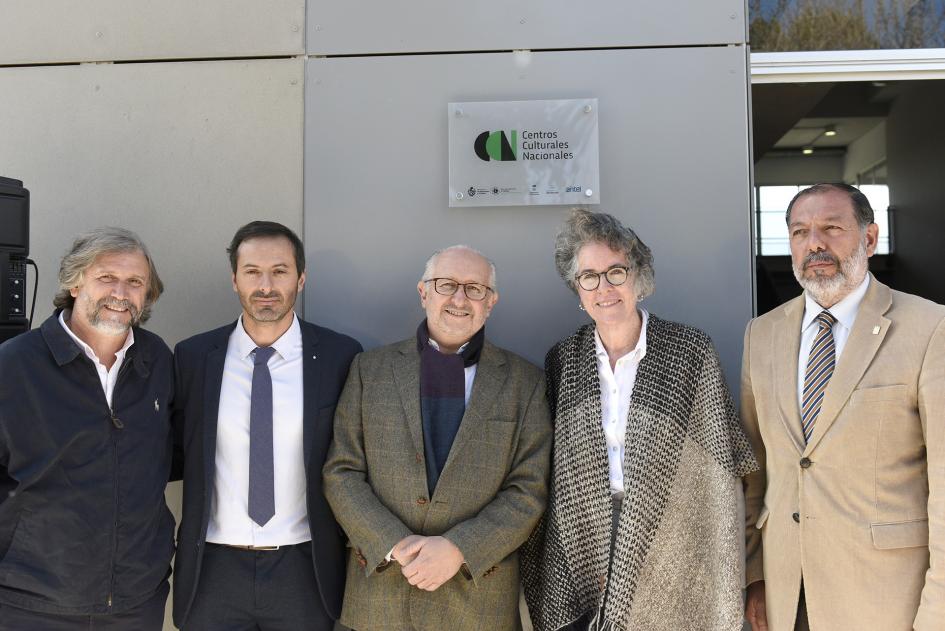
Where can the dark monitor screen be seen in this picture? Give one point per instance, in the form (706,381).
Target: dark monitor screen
(14,217)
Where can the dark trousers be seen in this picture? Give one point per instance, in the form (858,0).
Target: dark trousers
(249,590)
(148,616)
(800,622)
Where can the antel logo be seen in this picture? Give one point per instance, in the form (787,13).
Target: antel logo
(495,145)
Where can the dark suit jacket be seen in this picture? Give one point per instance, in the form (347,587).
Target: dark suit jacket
(490,495)
(198,375)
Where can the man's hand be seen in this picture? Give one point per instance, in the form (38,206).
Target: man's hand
(410,542)
(435,561)
(755,611)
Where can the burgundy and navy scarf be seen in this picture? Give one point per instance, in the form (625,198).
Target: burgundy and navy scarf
(442,397)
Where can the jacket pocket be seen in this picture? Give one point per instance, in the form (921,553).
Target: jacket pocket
(900,534)
(10,554)
(895,392)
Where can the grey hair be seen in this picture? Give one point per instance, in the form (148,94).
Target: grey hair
(584,227)
(428,267)
(88,247)
(861,206)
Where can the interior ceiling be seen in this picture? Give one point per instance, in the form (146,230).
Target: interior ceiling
(789,116)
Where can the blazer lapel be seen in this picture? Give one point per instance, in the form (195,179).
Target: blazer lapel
(786,347)
(857,355)
(311,377)
(491,373)
(212,380)
(407,377)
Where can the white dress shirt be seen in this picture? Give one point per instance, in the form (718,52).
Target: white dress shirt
(230,522)
(844,311)
(106,376)
(616,389)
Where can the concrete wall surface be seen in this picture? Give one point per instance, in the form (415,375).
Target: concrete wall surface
(358,27)
(182,153)
(57,31)
(376,186)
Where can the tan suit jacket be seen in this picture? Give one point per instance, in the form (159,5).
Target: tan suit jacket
(859,510)
(490,495)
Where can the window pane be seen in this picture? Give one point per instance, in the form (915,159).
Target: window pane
(773,203)
(799,25)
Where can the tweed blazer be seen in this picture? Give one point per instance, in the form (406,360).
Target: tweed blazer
(859,510)
(490,495)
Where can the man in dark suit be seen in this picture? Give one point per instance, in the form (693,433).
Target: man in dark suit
(440,463)
(258,546)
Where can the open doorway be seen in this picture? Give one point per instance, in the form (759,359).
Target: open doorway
(886,137)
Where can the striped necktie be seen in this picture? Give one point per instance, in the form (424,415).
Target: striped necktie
(820,365)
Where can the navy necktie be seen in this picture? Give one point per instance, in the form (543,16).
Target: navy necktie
(262,499)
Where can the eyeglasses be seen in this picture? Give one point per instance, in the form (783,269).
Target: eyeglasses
(616,276)
(448,287)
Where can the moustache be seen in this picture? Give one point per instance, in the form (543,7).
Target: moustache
(266,296)
(820,257)
(115,303)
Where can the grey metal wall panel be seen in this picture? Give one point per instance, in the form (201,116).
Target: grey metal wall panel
(182,153)
(380,26)
(55,31)
(674,165)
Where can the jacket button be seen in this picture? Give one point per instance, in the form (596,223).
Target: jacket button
(805,463)
(421,501)
(419,458)
(796,517)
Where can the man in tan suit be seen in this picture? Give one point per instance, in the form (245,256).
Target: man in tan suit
(439,465)
(843,396)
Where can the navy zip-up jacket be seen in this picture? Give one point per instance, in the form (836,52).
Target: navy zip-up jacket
(84,528)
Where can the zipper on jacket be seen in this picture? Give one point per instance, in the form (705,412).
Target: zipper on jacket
(118,425)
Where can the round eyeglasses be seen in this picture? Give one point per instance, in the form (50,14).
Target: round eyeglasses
(616,275)
(448,287)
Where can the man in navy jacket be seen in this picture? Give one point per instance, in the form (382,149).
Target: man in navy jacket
(258,546)
(86,538)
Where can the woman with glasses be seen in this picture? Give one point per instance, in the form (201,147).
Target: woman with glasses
(642,530)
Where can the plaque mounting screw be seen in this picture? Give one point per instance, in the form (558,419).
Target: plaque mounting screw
(588,193)
(459,195)
(587,109)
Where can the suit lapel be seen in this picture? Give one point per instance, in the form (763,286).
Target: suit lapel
(787,346)
(491,373)
(407,378)
(212,380)
(311,377)
(857,355)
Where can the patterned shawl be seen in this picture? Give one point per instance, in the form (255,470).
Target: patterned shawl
(678,553)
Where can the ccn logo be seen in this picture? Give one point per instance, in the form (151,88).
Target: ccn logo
(495,145)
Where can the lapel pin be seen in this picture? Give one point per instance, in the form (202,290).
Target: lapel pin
(875,330)
(314,356)
(157,406)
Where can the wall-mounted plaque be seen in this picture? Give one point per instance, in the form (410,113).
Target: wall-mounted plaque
(515,153)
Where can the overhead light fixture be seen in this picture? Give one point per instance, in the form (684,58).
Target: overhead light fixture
(830,130)
(807,151)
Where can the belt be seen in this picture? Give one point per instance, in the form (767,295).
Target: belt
(252,548)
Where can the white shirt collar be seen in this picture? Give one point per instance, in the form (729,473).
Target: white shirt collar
(844,311)
(66,314)
(433,343)
(638,352)
(288,345)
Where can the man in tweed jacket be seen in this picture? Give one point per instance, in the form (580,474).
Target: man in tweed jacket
(438,470)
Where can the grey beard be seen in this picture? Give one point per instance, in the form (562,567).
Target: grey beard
(829,290)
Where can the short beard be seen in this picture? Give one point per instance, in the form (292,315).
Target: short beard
(274,313)
(106,326)
(829,290)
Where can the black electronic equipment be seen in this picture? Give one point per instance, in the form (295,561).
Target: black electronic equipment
(14,217)
(14,250)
